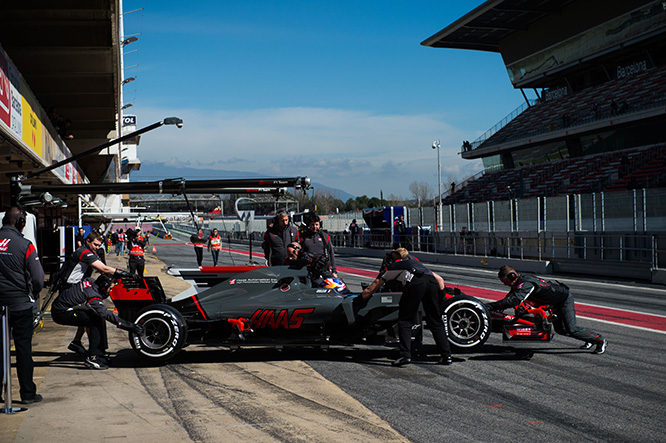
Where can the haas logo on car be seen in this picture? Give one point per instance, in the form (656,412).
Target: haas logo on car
(270,318)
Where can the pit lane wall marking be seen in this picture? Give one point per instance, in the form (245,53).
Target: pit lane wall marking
(620,317)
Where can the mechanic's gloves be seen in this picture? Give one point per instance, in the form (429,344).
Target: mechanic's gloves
(122,274)
(129,326)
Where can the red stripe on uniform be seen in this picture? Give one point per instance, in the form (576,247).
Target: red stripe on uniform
(31,249)
(84,253)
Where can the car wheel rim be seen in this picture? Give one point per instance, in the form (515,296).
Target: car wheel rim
(464,323)
(157,333)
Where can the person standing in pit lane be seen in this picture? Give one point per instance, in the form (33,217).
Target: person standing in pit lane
(318,248)
(276,239)
(529,291)
(78,266)
(82,305)
(21,279)
(136,246)
(420,285)
(120,244)
(215,245)
(199,242)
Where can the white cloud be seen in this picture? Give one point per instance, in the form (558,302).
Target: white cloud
(358,152)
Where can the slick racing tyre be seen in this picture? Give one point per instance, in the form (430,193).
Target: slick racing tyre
(467,322)
(165,332)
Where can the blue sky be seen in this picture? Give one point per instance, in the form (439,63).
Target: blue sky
(340,91)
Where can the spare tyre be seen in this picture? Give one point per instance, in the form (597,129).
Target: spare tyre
(467,322)
(165,332)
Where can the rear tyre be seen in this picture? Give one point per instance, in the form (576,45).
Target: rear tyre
(165,332)
(467,322)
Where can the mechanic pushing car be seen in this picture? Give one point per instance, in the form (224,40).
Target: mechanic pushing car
(419,285)
(317,246)
(82,305)
(530,291)
(276,239)
(79,266)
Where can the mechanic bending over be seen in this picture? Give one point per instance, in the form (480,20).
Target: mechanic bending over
(317,246)
(528,291)
(82,305)
(276,238)
(79,266)
(420,285)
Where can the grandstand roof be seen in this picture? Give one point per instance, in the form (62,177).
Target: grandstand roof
(69,54)
(486,26)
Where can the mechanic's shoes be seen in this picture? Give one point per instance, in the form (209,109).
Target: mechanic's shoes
(445,360)
(77,347)
(588,345)
(601,347)
(95,362)
(35,399)
(402,361)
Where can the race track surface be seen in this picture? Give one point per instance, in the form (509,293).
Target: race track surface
(561,393)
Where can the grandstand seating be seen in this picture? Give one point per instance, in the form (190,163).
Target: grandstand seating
(611,98)
(632,168)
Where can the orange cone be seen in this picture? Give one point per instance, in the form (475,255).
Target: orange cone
(154,249)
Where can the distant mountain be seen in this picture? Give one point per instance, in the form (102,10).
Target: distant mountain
(157,171)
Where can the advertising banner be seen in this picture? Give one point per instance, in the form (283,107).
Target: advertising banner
(32,126)
(16,102)
(5,92)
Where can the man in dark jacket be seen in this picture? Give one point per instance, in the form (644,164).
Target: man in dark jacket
(82,305)
(199,242)
(136,245)
(21,279)
(318,248)
(530,291)
(420,285)
(276,239)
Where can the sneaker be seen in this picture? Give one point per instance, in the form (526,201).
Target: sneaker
(77,347)
(95,362)
(601,347)
(445,360)
(402,361)
(587,345)
(36,399)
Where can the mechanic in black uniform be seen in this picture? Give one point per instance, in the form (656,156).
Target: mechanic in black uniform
(21,279)
(420,285)
(78,266)
(276,238)
(136,246)
(199,243)
(82,305)
(317,246)
(529,290)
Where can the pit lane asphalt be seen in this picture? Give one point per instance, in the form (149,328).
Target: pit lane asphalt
(560,394)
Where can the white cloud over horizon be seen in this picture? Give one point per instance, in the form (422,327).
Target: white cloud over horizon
(358,152)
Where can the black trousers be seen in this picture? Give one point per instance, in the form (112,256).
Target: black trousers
(96,327)
(565,323)
(421,290)
(136,266)
(20,325)
(199,252)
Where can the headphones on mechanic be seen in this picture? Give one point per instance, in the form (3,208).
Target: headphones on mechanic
(20,220)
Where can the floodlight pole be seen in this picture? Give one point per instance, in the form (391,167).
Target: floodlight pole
(436,145)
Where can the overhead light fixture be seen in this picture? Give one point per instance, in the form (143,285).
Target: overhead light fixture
(129,105)
(173,121)
(129,40)
(127,80)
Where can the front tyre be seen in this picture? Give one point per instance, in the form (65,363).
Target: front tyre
(467,322)
(165,332)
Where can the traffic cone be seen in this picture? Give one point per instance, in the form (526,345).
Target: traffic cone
(154,250)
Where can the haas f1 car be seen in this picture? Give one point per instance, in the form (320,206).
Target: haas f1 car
(248,306)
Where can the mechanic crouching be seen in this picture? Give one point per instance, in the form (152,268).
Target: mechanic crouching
(82,305)
(420,285)
(529,290)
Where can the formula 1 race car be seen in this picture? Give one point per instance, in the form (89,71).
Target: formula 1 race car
(252,305)
(470,323)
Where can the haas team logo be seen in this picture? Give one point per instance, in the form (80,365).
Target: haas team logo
(268,318)
(4,244)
